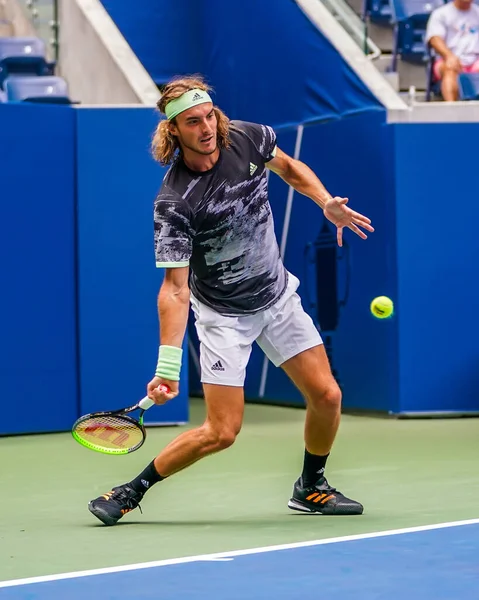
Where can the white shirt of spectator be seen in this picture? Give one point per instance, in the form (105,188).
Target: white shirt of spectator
(458,28)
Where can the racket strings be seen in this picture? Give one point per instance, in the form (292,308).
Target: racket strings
(110,432)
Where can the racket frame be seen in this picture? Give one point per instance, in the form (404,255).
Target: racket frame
(123,413)
(144,404)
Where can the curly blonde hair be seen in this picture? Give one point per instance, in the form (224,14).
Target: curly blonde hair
(165,145)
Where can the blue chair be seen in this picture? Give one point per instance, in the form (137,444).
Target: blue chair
(378,11)
(468,86)
(22,56)
(48,90)
(410,19)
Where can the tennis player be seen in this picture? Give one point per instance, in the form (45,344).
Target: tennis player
(214,237)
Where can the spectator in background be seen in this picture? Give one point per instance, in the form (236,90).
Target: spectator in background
(453,32)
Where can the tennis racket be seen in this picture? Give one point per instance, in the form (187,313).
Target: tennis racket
(116,431)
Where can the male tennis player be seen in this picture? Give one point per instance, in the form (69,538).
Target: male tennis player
(214,237)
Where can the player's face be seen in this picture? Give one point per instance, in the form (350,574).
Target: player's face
(196,129)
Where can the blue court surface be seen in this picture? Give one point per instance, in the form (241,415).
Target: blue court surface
(439,562)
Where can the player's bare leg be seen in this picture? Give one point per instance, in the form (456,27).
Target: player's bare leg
(311,373)
(224,417)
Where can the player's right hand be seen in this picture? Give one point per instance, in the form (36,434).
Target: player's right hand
(336,211)
(159,396)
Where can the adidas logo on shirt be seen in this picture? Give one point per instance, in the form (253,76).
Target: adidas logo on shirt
(252,168)
(196,97)
(217,366)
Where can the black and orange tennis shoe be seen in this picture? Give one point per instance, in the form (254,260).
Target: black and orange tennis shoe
(112,506)
(322,498)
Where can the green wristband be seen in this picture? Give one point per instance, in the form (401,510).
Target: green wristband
(169,363)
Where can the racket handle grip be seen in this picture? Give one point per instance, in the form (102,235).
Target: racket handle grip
(147,403)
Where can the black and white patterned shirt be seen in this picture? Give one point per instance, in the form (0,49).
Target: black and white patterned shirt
(219,222)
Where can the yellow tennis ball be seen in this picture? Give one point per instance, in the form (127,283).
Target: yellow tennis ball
(382,307)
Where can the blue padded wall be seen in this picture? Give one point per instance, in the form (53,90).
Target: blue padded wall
(438,254)
(98,159)
(118,281)
(38,374)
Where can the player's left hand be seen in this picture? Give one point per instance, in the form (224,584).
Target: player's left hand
(336,211)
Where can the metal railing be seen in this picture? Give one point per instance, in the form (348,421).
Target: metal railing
(354,25)
(43,15)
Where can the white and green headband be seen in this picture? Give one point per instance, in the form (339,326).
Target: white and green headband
(186,101)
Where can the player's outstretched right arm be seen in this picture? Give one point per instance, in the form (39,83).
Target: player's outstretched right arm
(173,308)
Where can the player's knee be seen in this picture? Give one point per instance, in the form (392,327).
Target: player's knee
(226,439)
(326,397)
(222,437)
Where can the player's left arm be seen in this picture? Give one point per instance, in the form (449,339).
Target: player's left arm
(299,176)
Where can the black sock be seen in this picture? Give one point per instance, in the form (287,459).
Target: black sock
(146,479)
(313,468)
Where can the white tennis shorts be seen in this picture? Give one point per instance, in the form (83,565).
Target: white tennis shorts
(282,331)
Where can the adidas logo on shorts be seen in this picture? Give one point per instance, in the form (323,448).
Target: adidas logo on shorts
(217,366)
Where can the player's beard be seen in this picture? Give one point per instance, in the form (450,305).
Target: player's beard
(198,148)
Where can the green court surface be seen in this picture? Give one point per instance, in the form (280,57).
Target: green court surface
(406,472)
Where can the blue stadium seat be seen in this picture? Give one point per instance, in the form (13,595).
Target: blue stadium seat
(378,11)
(48,89)
(468,86)
(22,55)
(410,19)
